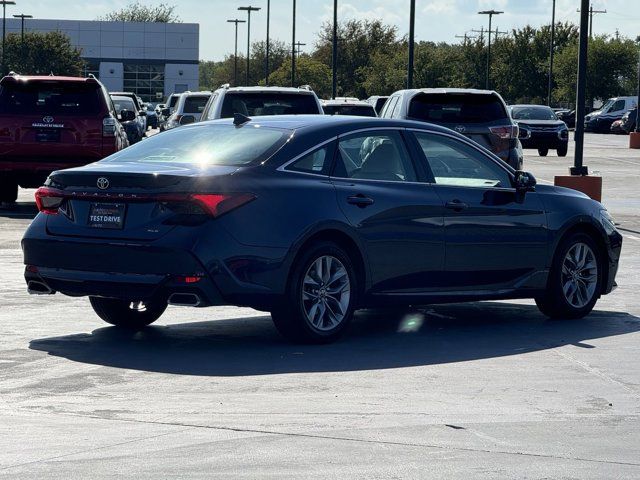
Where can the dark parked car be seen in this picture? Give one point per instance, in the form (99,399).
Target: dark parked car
(127,116)
(49,123)
(311,218)
(480,115)
(539,128)
(152,116)
(141,111)
(612,110)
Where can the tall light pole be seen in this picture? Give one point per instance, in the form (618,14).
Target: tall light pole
(248,9)
(578,167)
(553,31)
(235,51)
(4,27)
(293,47)
(266,61)
(491,13)
(334,52)
(412,29)
(22,16)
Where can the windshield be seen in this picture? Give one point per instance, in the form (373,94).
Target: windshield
(533,113)
(123,103)
(195,103)
(206,145)
(358,110)
(51,98)
(268,103)
(456,108)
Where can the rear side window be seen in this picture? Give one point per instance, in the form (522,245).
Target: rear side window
(173,100)
(314,162)
(195,103)
(265,103)
(388,107)
(51,98)
(456,108)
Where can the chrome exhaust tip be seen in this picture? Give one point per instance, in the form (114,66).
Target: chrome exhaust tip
(39,288)
(184,299)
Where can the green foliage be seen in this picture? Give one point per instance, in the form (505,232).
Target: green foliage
(42,54)
(137,12)
(309,71)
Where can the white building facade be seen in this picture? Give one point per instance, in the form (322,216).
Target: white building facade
(150,59)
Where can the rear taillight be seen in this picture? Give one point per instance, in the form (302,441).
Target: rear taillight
(505,132)
(215,204)
(109,127)
(48,200)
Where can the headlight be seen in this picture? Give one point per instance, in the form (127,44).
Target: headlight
(607,222)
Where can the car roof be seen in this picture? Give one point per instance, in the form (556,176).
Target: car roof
(528,105)
(47,78)
(334,124)
(472,91)
(259,89)
(346,102)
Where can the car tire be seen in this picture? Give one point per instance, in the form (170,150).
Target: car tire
(125,314)
(8,189)
(575,279)
(320,297)
(543,152)
(562,151)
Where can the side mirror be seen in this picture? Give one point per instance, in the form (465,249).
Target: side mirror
(166,112)
(187,119)
(143,113)
(127,115)
(524,181)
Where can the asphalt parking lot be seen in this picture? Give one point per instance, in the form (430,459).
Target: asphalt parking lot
(481,390)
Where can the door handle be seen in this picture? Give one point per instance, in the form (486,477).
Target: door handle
(456,205)
(360,200)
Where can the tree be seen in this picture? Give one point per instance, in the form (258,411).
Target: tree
(42,54)
(309,71)
(136,12)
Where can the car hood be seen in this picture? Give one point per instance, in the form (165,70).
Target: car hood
(554,190)
(545,123)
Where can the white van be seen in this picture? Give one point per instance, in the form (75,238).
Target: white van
(612,110)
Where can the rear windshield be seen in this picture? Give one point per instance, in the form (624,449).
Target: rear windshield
(206,145)
(358,110)
(265,103)
(456,108)
(533,113)
(123,103)
(51,98)
(172,101)
(195,104)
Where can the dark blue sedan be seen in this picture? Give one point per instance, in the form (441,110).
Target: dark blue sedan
(311,218)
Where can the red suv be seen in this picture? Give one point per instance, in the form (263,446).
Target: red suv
(51,123)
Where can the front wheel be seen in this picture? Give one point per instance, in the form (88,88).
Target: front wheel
(575,280)
(543,152)
(125,314)
(320,297)
(562,151)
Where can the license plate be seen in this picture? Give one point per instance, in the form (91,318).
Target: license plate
(107,215)
(48,136)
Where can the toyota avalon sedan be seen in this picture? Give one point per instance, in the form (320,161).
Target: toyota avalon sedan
(311,218)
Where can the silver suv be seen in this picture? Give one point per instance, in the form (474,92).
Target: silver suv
(188,109)
(254,101)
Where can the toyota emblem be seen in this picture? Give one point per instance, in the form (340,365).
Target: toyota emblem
(47,119)
(103,183)
(460,129)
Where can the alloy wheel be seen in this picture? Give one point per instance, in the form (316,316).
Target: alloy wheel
(326,292)
(579,275)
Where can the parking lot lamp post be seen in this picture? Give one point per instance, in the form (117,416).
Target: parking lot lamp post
(235,51)
(4,27)
(334,52)
(578,167)
(553,31)
(248,9)
(22,16)
(491,13)
(412,31)
(266,53)
(293,47)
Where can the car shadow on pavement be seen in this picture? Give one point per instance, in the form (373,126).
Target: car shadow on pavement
(18,210)
(376,340)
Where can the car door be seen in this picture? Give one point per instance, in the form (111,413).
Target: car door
(399,219)
(495,237)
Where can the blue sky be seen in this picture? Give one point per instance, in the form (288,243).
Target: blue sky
(437,20)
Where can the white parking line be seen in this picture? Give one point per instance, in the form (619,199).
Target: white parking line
(632,237)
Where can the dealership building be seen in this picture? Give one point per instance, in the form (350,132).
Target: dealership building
(150,59)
